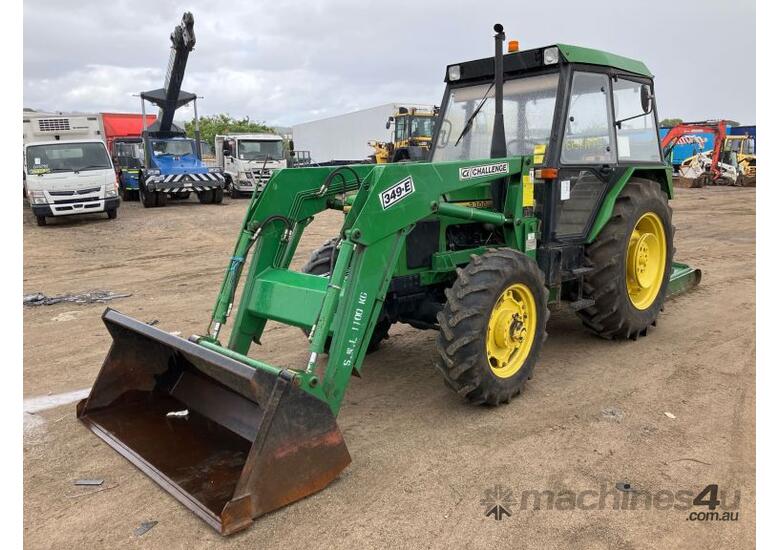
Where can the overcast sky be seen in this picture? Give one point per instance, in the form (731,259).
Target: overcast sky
(285,62)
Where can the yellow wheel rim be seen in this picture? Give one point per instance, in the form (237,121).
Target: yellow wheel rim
(646,260)
(511,330)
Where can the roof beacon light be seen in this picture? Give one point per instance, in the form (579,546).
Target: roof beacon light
(453,71)
(551,56)
(514,46)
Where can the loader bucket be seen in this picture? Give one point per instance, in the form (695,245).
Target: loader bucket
(250,442)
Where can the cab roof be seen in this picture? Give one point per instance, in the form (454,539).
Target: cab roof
(578,54)
(516,63)
(258,136)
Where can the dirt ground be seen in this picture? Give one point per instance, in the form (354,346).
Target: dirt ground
(593,415)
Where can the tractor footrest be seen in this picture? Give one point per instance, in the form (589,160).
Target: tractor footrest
(582,304)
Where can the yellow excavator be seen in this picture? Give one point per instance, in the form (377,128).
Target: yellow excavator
(411,136)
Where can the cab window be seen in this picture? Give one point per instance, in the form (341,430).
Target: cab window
(637,137)
(400,128)
(588,137)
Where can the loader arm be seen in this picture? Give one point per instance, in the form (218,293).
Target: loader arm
(390,200)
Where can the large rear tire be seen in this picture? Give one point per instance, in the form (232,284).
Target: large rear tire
(492,327)
(320,263)
(631,260)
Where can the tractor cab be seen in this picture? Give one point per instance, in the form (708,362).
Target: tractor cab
(412,131)
(583,118)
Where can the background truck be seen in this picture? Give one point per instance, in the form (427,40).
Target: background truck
(66,177)
(122,132)
(344,138)
(172,164)
(247,158)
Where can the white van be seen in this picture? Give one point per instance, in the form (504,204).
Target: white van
(63,178)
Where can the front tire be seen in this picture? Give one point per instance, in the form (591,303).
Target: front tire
(40,220)
(219,194)
(234,193)
(148,198)
(206,197)
(492,327)
(111,212)
(631,260)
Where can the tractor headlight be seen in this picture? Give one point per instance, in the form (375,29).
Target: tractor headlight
(37,197)
(453,72)
(153,172)
(551,56)
(215,169)
(110,190)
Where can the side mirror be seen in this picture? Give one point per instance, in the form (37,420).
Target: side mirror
(646,97)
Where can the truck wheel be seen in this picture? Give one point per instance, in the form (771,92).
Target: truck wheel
(162,198)
(234,193)
(492,327)
(631,260)
(320,263)
(111,213)
(148,198)
(206,197)
(219,193)
(40,220)
(127,194)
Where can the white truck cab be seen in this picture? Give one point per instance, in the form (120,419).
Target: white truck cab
(63,178)
(242,157)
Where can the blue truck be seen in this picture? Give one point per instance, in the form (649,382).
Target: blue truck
(172,165)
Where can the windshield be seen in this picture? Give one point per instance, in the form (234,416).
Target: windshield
(129,154)
(259,150)
(67,157)
(422,127)
(529,106)
(173,147)
(128,149)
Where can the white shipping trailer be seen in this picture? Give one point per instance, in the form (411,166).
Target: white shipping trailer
(344,137)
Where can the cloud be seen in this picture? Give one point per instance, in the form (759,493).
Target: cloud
(287,61)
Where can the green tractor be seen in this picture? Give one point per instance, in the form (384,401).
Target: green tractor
(545,185)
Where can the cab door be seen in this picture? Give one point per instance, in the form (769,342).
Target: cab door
(588,156)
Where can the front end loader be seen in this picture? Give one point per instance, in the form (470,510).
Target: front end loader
(544,185)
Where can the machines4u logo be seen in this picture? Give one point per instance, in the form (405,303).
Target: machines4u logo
(497,502)
(402,189)
(485,170)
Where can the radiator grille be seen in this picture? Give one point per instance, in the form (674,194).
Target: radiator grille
(53,124)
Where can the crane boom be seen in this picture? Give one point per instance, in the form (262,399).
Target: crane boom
(171,97)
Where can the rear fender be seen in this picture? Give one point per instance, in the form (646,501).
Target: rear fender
(662,175)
